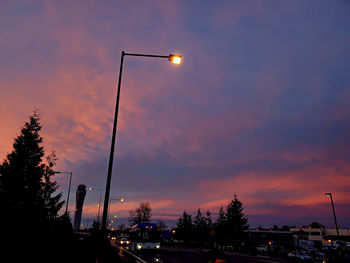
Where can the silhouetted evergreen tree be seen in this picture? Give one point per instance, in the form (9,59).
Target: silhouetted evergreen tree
(220,226)
(26,187)
(222,217)
(184,228)
(210,229)
(231,222)
(236,221)
(200,228)
(27,194)
(199,220)
(209,220)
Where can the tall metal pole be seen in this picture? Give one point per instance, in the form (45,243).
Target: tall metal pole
(70,181)
(335,218)
(111,154)
(171,57)
(109,208)
(99,202)
(99,207)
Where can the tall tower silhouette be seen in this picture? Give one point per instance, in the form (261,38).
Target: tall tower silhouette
(79,202)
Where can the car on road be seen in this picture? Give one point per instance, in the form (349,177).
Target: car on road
(144,236)
(299,254)
(124,242)
(292,254)
(319,256)
(262,248)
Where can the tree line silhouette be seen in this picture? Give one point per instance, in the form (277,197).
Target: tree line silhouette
(227,229)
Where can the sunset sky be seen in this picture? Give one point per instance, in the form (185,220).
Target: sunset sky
(260,106)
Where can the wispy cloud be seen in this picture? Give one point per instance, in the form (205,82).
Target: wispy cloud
(259,106)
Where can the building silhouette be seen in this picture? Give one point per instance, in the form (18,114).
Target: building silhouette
(80,197)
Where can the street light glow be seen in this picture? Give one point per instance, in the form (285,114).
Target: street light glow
(176,59)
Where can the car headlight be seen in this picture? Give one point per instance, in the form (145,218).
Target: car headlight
(127,242)
(157,246)
(121,242)
(139,246)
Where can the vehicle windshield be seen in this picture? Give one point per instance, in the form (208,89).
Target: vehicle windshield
(145,235)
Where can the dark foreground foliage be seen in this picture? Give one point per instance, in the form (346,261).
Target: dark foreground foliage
(31,229)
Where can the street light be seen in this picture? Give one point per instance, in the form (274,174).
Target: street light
(335,218)
(109,207)
(70,181)
(99,203)
(176,59)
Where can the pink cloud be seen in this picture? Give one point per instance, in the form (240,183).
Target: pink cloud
(65,62)
(307,187)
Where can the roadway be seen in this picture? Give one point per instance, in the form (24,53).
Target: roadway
(180,255)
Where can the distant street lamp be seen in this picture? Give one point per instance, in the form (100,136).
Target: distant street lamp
(335,218)
(109,207)
(176,59)
(70,181)
(99,203)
